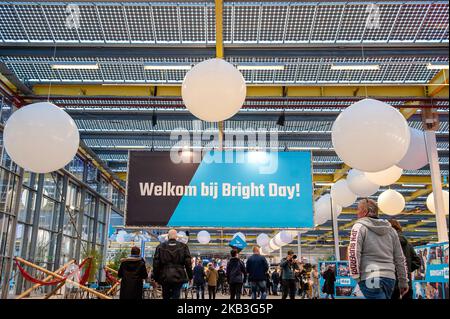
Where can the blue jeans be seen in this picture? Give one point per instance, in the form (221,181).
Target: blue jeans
(377,290)
(258,285)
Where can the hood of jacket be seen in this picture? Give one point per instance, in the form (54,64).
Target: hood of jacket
(379,226)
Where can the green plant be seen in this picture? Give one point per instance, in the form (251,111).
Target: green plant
(114,263)
(95,262)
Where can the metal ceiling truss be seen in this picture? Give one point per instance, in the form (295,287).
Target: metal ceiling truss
(297,70)
(262,23)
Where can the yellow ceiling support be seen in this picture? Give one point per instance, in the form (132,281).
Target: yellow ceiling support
(418,193)
(219,28)
(438,86)
(409,111)
(140,90)
(337,175)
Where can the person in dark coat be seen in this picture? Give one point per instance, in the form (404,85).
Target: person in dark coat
(199,280)
(222,279)
(330,278)
(275,281)
(172,266)
(257,267)
(132,272)
(236,274)
(413,261)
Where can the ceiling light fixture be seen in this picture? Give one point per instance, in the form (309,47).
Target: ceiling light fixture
(437,66)
(167,66)
(75,66)
(357,66)
(260,66)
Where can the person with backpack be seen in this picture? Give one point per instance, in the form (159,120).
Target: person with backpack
(413,261)
(172,266)
(235,275)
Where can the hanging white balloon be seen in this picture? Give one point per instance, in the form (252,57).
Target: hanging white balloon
(203,237)
(391,202)
(364,131)
(416,156)
(41,137)
(323,209)
(341,193)
(182,237)
(273,246)
(430,202)
(213,90)
(262,240)
(386,177)
(360,185)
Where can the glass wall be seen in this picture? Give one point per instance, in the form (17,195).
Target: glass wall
(60,215)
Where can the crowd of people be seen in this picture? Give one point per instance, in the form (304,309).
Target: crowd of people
(380,259)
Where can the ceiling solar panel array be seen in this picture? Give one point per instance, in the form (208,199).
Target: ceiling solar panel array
(301,70)
(252,22)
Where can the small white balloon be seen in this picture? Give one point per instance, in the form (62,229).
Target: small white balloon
(213,90)
(323,211)
(391,202)
(262,240)
(416,156)
(341,193)
(182,237)
(360,185)
(365,130)
(430,202)
(273,246)
(203,237)
(386,177)
(41,137)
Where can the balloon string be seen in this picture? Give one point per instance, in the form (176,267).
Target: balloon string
(50,85)
(364,58)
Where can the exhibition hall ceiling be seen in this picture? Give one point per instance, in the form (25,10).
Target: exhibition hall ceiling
(148,47)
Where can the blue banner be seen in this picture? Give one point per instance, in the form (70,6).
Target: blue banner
(223,189)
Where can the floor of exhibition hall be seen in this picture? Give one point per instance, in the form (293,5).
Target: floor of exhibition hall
(156,149)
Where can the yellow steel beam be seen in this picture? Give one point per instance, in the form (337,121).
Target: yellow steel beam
(252,91)
(419,192)
(219,28)
(409,109)
(438,86)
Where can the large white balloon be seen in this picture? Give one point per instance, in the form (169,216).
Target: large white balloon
(183,237)
(262,240)
(341,193)
(416,156)
(203,237)
(430,202)
(386,177)
(360,185)
(213,90)
(370,135)
(323,209)
(41,137)
(391,202)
